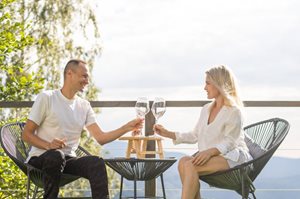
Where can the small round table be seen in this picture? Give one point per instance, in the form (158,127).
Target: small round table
(140,170)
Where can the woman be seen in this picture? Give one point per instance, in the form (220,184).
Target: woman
(218,132)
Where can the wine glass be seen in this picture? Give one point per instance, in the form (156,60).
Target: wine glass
(142,107)
(158,108)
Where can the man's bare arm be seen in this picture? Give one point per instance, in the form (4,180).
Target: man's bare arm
(106,137)
(29,136)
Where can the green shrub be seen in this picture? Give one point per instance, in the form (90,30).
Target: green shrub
(12,179)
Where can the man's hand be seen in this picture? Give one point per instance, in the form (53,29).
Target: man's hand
(56,144)
(134,125)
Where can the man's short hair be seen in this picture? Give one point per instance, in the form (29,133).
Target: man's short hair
(72,65)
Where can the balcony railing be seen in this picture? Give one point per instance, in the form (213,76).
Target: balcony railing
(150,186)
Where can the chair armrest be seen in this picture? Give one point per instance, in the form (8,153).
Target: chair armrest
(81,149)
(250,163)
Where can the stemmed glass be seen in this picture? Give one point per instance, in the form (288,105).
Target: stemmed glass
(142,107)
(158,108)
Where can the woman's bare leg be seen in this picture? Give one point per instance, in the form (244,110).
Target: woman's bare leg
(190,175)
(198,196)
(181,164)
(191,184)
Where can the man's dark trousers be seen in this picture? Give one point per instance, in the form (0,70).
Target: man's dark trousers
(54,162)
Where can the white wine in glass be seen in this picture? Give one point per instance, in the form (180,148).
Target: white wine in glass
(158,108)
(142,107)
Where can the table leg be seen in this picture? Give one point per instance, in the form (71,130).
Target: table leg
(137,144)
(121,187)
(129,147)
(134,188)
(144,148)
(162,185)
(160,149)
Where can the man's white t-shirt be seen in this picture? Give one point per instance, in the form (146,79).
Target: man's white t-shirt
(60,117)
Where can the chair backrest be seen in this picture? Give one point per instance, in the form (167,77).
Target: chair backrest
(13,145)
(263,139)
(17,149)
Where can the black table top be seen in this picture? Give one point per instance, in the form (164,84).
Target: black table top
(139,169)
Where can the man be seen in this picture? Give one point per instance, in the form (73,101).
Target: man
(54,126)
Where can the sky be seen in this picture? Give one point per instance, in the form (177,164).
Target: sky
(170,44)
(163,48)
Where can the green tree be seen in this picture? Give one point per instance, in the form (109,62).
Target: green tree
(16,84)
(12,181)
(17,81)
(66,29)
(36,41)
(63,30)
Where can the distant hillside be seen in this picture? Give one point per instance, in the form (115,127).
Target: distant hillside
(279,173)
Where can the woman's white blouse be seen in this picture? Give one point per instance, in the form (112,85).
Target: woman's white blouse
(225,133)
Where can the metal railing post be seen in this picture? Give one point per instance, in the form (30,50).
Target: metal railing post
(150,186)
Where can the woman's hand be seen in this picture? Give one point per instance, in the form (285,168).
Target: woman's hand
(160,130)
(202,157)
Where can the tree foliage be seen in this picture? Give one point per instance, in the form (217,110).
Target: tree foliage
(16,83)
(35,43)
(66,29)
(12,181)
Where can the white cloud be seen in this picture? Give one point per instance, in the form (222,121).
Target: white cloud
(170,43)
(163,47)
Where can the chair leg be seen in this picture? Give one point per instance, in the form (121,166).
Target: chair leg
(28,187)
(36,188)
(243,184)
(163,186)
(243,188)
(121,187)
(28,184)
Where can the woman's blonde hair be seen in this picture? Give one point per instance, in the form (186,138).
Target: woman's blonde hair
(224,80)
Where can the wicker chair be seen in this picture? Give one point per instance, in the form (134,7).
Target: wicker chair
(17,150)
(263,139)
